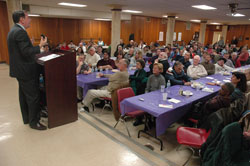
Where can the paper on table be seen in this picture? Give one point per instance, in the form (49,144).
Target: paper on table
(226,81)
(165,106)
(49,57)
(208,89)
(211,78)
(174,101)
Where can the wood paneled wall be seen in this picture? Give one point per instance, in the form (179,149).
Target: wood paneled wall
(59,29)
(187,35)
(210,29)
(148,28)
(4,56)
(239,31)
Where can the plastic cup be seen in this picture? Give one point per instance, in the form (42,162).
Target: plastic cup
(162,88)
(164,96)
(97,75)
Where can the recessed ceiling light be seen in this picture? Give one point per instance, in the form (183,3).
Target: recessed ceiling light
(204,7)
(195,20)
(166,16)
(131,11)
(71,4)
(236,15)
(215,23)
(33,15)
(102,19)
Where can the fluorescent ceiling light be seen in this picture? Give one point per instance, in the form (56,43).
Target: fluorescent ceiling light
(215,23)
(236,15)
(204,7)
(33,15)
(166,16)
(195,20)
(131,11)
(102,19)
(71,4)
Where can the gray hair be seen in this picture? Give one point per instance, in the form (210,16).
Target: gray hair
(230,87)
(92,48)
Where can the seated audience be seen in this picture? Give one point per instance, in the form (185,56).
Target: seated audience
(226,50)
(156,55)
(155,80)
(64,47)
(115,81)
(239,81)
(92,57)
(228,62)
(118,58)
(146,51)
(208,65)
(100,42)
(79,51)
(106,62)
(178,76)
(175,55)
(162,58)
(243,57)
(81,66)
(222,100)
(137,80)
(234,57)
(185,60)
(71,45)
(99,51)
(130,54)
(196,70)
(46,48)
(133,60)
(118,49)
(221,67)
(141,45)
(131,44)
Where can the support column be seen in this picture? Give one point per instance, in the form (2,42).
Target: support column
(13,5)
(202,34)
(170,30)
(116,29)
(224,33)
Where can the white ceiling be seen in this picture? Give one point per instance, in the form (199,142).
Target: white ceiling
(158,8)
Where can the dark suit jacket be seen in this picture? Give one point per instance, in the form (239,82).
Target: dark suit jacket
(22,54)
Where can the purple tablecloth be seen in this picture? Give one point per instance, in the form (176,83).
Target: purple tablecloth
(166,116)
(91,82)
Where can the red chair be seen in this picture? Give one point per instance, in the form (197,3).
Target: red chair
(191,137)
(123,94)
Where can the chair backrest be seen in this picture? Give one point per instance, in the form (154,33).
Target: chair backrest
(123,94)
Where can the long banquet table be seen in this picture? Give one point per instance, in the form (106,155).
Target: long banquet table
(91,82)
(149,102)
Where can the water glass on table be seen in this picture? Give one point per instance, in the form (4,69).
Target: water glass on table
(162,88)
(164,96)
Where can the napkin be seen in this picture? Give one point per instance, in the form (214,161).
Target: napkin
(207,90)
(165,106)
(226,81)
(174,101)
(211,78)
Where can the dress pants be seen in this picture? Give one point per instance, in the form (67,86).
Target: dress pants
(29,98)
(93,93)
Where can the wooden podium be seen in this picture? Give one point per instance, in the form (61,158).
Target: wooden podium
(60,87)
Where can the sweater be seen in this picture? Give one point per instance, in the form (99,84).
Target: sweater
(117,79)
(209,67)
(92,59)
(219,69)
(155,82)
(177,79)
(196,72)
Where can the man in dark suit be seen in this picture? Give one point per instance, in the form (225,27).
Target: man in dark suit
(25,69)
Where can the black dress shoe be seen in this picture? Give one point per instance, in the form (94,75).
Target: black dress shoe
(44,114)
(101,104)
(38,126)
(86,108)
